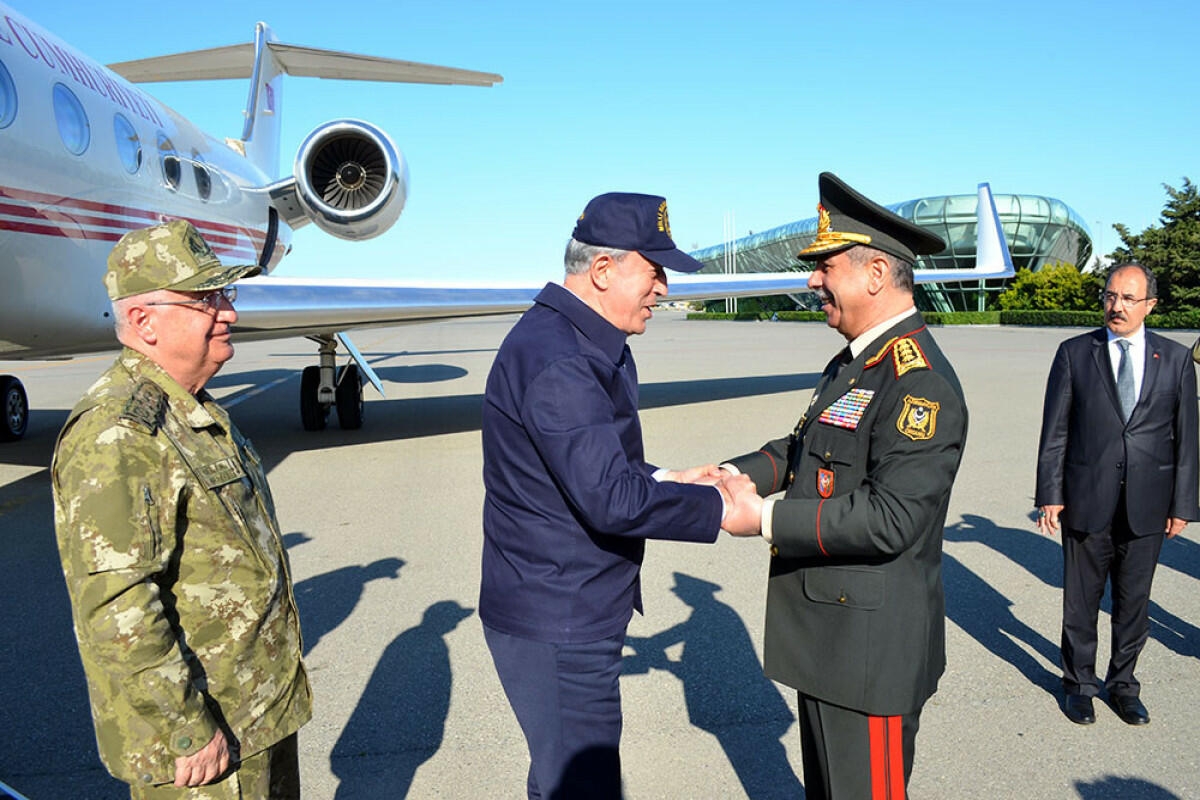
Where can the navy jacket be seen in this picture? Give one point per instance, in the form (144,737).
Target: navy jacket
(569,496)
(1087,451)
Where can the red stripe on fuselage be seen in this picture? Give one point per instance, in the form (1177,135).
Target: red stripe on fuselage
(58,216)
(151,217)
(73,232)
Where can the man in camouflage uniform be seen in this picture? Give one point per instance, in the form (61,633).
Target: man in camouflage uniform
(179,582)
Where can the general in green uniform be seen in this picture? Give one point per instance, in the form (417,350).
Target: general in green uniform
(855,611)
(178,578)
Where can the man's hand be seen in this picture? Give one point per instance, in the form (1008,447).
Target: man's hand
(706,474)
(1175,525)
(205,765)
(1047,519)
(743,506)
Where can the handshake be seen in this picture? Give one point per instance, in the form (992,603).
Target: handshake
(743,506)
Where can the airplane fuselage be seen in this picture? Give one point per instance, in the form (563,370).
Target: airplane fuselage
(135,163)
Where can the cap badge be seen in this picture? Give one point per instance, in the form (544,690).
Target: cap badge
(823,222)
(664,224)
(918,418)
(828,238)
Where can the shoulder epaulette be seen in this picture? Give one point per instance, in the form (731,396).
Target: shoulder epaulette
(145,407)
(907,356)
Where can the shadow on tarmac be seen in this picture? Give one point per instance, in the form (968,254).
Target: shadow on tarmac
(1112,787)
(325,601)
(401,717)
(724,688)
(984,613)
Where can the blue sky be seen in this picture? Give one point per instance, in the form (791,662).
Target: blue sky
(721,107)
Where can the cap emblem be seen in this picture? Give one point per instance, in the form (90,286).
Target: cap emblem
(664,224)
(827,237)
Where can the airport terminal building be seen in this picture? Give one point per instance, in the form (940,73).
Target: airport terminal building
(1040,231)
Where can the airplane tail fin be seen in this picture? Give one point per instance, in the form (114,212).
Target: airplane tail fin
(992,258)
(260,131)
(265,61)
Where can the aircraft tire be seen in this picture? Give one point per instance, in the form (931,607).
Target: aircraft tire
(313,415)
(350,398)
(16,409)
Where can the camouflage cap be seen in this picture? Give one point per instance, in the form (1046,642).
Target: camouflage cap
(172,255)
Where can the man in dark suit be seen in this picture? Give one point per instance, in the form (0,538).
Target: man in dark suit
(855,611)
(1117,466)
(570,499)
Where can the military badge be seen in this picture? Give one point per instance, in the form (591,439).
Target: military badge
(918,418)
(847,411)
(664,223)
(907,356)
(825,482)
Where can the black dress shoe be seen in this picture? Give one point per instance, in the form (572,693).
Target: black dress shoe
(1079,709)
(1130,709)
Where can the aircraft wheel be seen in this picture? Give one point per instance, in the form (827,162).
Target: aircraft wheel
(16,409)
(313,415)
(350,398)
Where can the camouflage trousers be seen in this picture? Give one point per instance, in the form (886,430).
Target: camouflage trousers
(273,774)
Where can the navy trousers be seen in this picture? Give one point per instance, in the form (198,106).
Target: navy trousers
(567,700)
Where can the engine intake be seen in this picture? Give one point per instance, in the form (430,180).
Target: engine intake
(350,179)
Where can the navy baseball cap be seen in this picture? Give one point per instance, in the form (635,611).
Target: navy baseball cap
(627,221)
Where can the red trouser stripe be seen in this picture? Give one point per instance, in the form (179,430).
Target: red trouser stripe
(887,758)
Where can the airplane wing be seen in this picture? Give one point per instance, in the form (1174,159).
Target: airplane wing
(272,307)
(237,61)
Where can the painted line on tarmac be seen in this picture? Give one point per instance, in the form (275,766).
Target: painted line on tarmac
(233,400)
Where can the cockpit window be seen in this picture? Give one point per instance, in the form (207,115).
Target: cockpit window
(172,170)
(73,125)
(8,97)
(129,146)
(203,178)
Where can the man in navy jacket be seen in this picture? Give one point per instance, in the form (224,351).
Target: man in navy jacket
(570,499)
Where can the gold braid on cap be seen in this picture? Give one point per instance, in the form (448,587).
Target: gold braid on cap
(829,239)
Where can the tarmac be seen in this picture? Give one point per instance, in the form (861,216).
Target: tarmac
(383,530)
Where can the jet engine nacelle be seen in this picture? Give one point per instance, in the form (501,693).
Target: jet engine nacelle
(350,179)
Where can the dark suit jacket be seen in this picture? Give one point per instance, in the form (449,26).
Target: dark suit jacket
(855,611)
(569,496)
(1087,451)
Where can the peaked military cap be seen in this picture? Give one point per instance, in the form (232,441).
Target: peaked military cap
(172,255)
(846,218)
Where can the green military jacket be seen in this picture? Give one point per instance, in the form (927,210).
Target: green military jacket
(179,582)
(855,610)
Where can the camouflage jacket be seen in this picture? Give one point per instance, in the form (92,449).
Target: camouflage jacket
(179,582)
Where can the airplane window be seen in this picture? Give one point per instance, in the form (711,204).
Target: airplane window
(129,146)
(203,179)
(73,126)
(171,169)
(8,97)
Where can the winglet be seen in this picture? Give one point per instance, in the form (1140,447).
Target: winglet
(992,258)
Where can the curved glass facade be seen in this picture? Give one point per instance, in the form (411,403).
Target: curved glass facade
(1040,231)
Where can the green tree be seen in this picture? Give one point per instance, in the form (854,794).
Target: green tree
(1060,287)
(1171,248)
